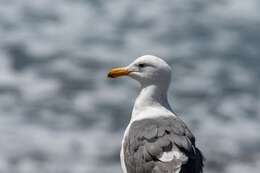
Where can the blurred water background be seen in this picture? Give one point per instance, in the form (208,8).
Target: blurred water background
(57,106)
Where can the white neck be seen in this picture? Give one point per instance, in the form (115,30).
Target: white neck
(152,101)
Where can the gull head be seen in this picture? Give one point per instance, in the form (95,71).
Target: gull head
(147,70)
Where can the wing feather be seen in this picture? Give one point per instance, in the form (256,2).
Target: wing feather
(161,145)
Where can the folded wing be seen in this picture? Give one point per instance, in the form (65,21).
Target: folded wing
(161,145)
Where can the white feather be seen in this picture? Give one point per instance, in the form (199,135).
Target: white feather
(152,101)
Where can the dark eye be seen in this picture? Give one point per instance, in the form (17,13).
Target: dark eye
(141,65)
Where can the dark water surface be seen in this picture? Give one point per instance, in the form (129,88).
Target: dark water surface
(57,106)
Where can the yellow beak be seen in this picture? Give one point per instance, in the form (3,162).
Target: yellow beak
(117,72)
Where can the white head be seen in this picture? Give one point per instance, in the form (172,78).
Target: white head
(147,70)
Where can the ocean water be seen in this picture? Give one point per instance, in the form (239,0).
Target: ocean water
(60,114)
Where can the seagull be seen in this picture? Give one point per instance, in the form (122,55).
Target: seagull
(156,140)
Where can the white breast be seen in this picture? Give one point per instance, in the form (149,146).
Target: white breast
(122,156)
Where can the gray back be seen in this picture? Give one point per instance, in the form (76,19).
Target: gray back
(149,138)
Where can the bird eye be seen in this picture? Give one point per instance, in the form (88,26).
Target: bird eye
(141,65)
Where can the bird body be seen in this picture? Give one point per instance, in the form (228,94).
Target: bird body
(155,140)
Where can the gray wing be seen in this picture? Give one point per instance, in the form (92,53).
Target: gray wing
(161,145)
